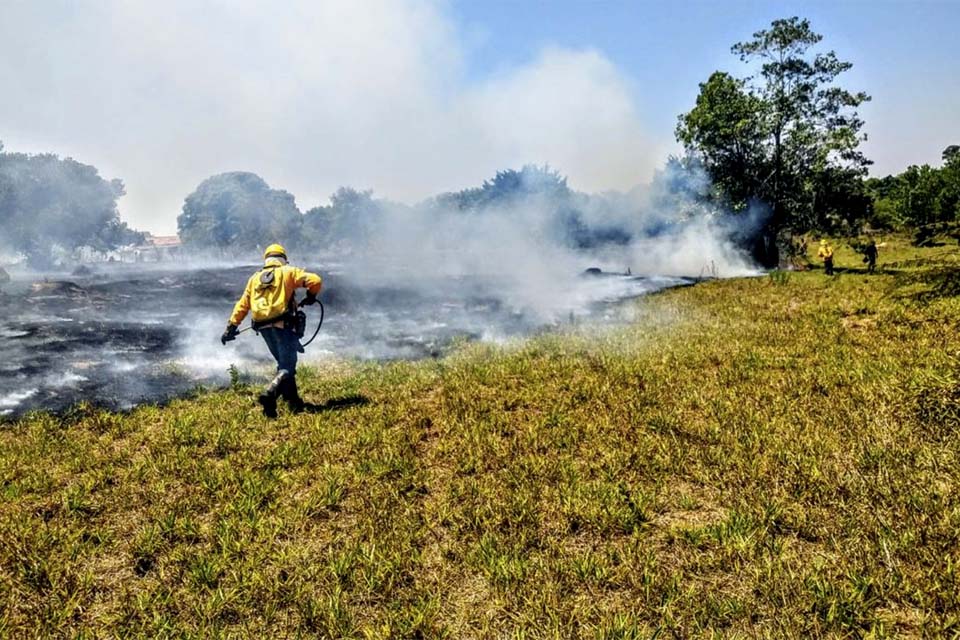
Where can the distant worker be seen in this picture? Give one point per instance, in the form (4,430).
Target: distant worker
(870,255)
(269,294)
(825,253)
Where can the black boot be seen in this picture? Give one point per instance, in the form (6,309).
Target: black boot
(292,396)
(268,397)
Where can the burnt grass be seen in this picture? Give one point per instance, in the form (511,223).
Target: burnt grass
(124,335)
(101,336)
(766,457)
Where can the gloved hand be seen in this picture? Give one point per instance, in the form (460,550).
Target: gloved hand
(310,299)
(230,333)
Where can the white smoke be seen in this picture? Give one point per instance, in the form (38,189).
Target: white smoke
(313,95)
(520,250)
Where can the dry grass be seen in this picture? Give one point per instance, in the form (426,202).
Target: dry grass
(768,457)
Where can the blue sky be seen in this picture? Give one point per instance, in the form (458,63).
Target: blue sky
(415,97)
(906,55)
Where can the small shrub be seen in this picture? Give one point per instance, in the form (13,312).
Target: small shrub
(779,277)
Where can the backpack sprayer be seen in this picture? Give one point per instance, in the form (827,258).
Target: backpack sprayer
(299,319)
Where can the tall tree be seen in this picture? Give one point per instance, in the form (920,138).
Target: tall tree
(238,211)
(788,135)
(950,155)
(812,123)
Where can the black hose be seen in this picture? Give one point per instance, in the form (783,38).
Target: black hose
(319,324)
(302,344)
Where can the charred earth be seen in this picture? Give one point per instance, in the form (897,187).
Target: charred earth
(125,335)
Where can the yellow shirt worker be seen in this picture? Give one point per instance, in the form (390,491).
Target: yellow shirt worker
(270,297)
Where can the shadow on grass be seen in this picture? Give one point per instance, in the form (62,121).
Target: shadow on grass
(885,270)
(336,404)
(941,282)
(888,269)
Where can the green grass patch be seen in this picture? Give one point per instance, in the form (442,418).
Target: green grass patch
(775,456)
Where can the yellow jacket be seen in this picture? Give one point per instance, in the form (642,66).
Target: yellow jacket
(826,251)
(289,279)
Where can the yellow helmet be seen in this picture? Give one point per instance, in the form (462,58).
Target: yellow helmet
(275,250)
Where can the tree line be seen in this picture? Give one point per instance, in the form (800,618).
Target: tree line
(777,152)
(786,137)
(924,198)
(49,206)
(239,212)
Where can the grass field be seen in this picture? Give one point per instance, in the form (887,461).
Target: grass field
(766,457)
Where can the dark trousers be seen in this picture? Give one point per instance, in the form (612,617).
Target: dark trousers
(283,345)
(828,265)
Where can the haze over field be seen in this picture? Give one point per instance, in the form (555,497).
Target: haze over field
(313,96)
(415,98)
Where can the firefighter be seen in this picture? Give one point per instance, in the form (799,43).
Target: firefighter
(269,295)
(870,255)
(825,253)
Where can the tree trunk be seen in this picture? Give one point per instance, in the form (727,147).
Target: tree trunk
(776,221)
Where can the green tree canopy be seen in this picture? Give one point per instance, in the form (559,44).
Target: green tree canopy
(508,188)
(47,203)
(726,130)
(350,217)
(238,211)
(787,135)
(924,197)
(951,155)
